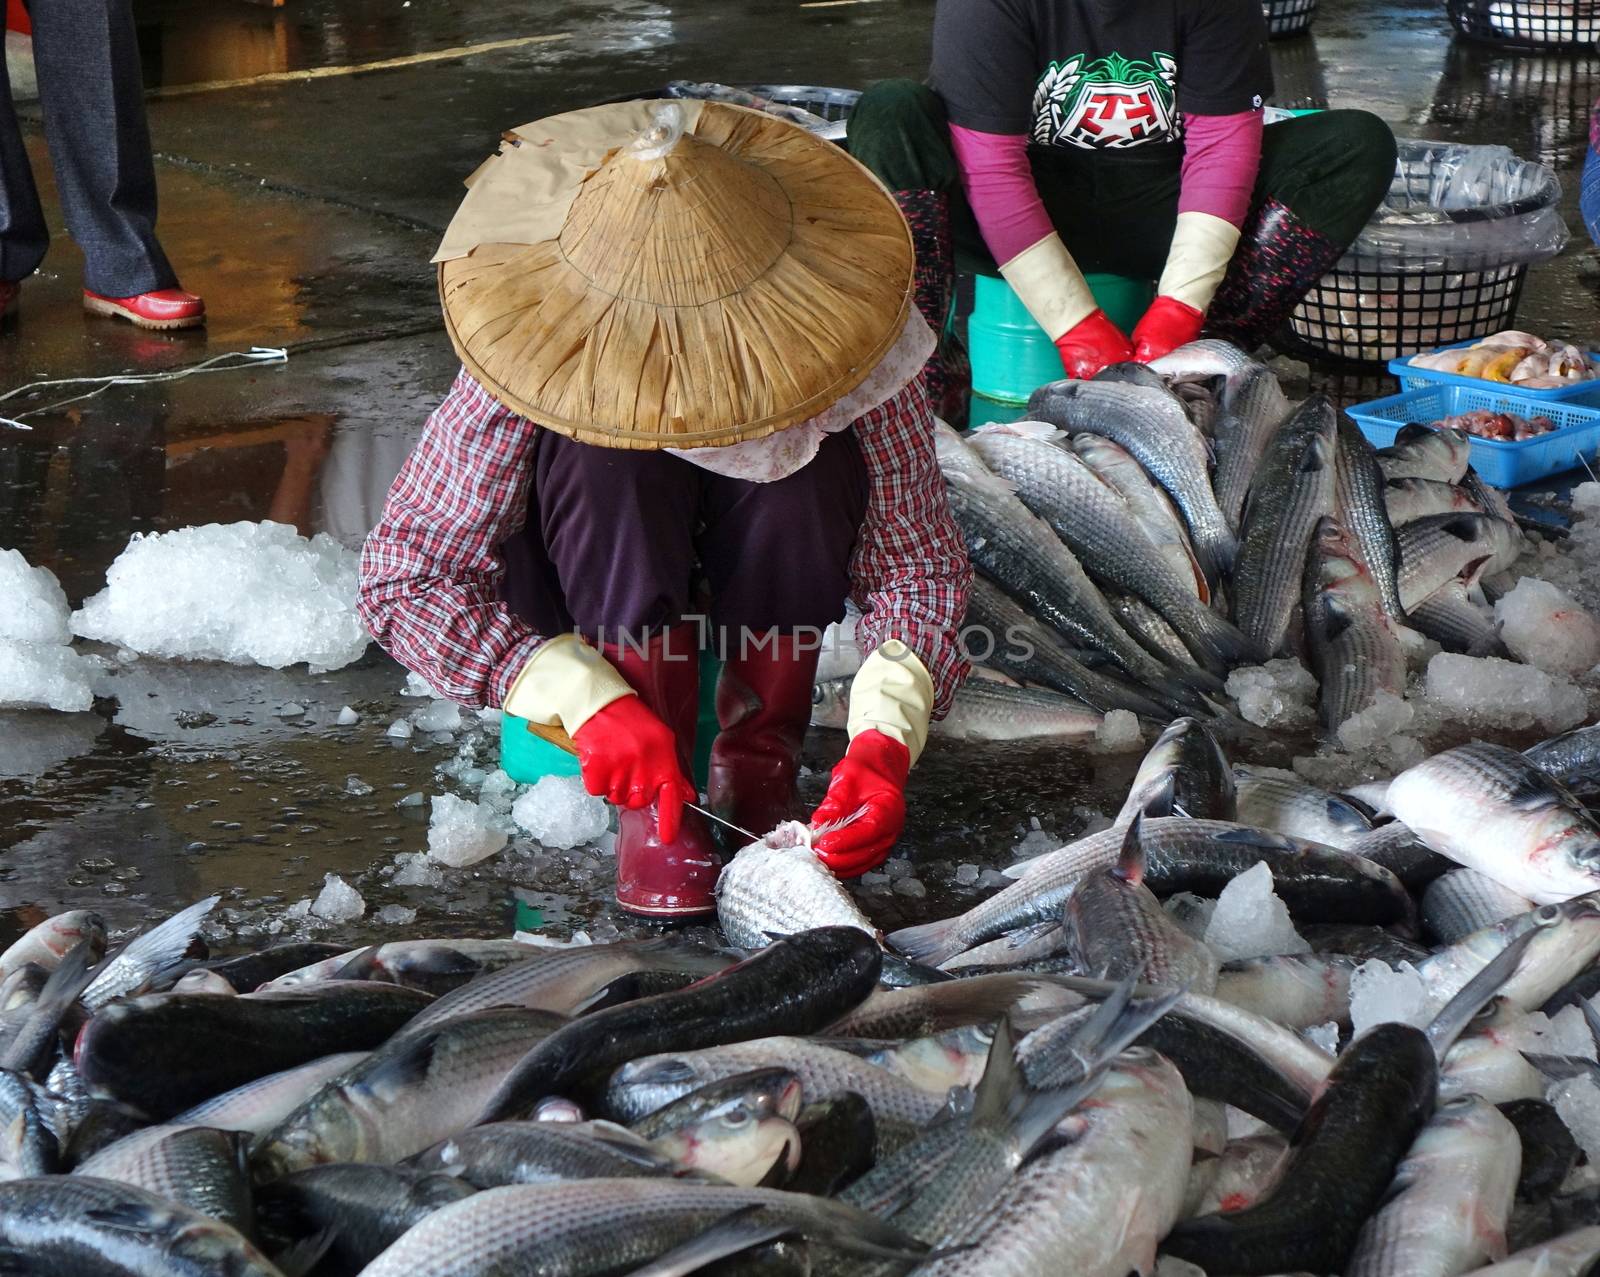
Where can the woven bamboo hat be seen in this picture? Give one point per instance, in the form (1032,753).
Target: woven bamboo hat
(684,274)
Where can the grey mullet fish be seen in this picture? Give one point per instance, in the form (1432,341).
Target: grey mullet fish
(1010,543)
(1359,503)
(1253,407)
(1294,488)
(1355,648)
(1094,520)
(1155,429)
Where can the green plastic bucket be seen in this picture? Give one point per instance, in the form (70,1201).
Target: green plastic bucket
(1011,356)
(526,757)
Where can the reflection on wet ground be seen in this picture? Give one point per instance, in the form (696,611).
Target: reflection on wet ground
(306,211)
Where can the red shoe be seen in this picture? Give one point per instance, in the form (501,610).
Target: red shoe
(164,308)
(763,708)
(657,879)
(9,288)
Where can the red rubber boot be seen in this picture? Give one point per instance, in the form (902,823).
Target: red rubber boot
(657,879)
(763,709)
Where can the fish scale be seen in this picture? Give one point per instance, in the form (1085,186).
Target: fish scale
(1253,406)
(1152,426)
(1294,488)
(1025,649)
(1442,547)
(1453,619)
(1094,520)
(1359,504)
(1014,546)
(1355,649)
(1463,901)
(1184,855)
(1292,806)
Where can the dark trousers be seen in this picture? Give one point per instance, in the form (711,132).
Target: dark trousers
(92,96)
(1116,211)
(618,540)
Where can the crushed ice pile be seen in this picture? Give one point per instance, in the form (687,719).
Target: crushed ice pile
(1545,626)
(1281,693)
(246,593)
(38,667)
(1491,692)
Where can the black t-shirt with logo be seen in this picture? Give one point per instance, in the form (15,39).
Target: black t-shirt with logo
(1102,75)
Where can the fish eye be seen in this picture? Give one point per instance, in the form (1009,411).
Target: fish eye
(1548,915)
(816,693)
(737,1116)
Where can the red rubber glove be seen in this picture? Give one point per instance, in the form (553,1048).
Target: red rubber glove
(868,790)
(1091,344)
(630,757)
(1168,324)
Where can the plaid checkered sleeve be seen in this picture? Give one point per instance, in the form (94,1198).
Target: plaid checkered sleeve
(431,569)
(910,574)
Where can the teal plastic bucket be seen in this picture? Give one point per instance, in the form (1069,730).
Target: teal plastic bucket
(526,757)
(1011,356)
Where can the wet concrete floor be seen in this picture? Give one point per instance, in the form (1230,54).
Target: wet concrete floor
(309,156)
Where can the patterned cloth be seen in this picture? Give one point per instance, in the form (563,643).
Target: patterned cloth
(431,570)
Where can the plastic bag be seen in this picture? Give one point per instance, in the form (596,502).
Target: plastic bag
(1461,208)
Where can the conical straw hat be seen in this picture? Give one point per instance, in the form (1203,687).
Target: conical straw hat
(650,275)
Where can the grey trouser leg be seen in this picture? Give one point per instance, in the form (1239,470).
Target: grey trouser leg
(23,236)
(92,94)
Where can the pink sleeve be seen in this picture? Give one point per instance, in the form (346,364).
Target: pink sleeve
(1222,154)
(1000,189)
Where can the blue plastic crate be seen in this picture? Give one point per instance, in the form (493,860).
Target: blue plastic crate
(1575,439)
(1421,378)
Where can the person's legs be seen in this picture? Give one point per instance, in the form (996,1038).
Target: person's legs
(609,547)
(1321,178)
(899,131)
(92,95)
(778,559)
(23,234)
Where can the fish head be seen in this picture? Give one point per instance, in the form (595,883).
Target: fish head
(640,1087)
(736,1143)
(206,1245)
(1568,850)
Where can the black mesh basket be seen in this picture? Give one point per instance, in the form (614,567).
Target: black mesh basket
(1529,24)
(1432,269)
(1288,17)
(1358,317)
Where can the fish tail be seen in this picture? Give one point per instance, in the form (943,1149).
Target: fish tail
(1454,1017)
(1217,643)
(931,943)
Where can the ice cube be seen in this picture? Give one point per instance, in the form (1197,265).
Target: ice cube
(1577,1100)
(395,916)
(556,812)
(1380,994)
(400,729)
(1250,921)
(1386,717)
(897,867)
(439,716)
(1586,499)
(461,832)
(338,901)
(416,685)
(291,709)
(348,717)
(1325,1036)
(910,887)
(287,599)
(45,676)
(1118,732)
(1543,625)
(966,875)
(414,799)
(1277,694)
(298,910)
(495,788)
(35,609)
(356,786)
(414,869)
(1490,692)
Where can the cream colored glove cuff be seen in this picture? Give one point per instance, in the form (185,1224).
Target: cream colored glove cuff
(564,684)
(892,693)
(1048,282)
(1202,247)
